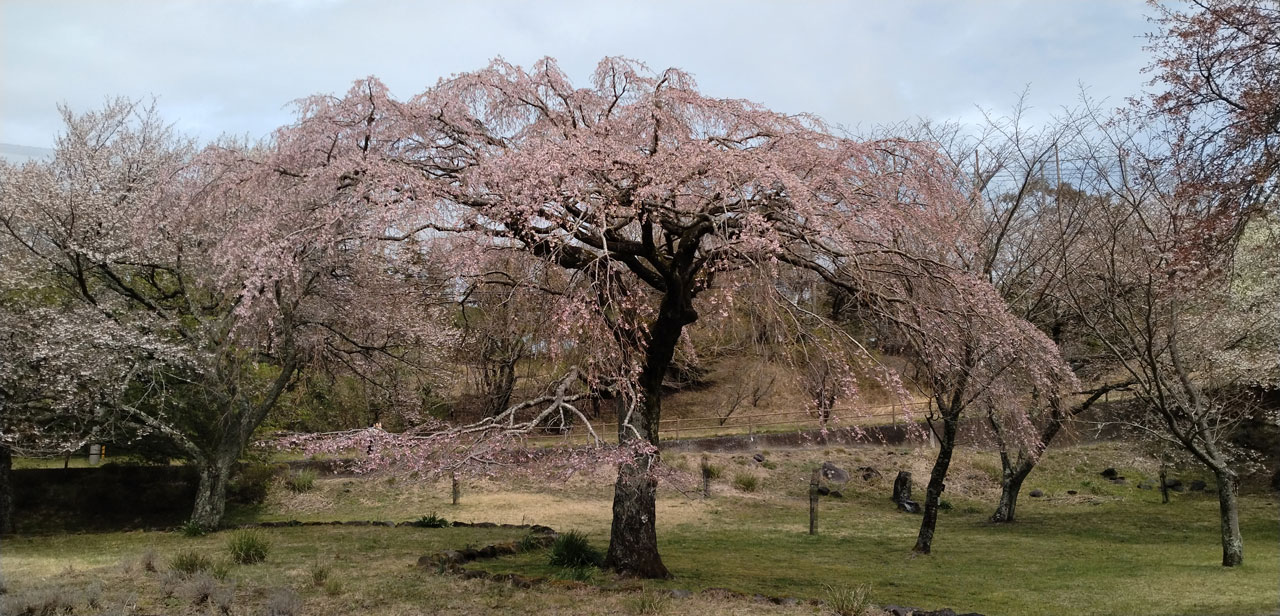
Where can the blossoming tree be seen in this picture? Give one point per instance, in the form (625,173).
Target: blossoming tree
(219,273)
(649,193)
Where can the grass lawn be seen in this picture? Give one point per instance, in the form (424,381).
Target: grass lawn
(1108,549)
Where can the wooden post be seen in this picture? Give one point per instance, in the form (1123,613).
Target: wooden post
(454,490)
(813,503)
(1164,485)
(706,476)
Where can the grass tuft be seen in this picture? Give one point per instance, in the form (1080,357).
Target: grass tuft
(248,547)
(432,521)
(572,549)
(848,600)
(302,481)
(746,482)
(189,562)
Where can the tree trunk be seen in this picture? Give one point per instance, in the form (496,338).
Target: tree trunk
(211,492)
(6,491)
(1229,510)
(933,493)
(1011,479)
(633,536)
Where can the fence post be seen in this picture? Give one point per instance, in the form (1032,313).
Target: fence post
(813,503)
(454,490)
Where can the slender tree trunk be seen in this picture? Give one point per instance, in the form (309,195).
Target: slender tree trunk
(1229,511)
(211,491)
(6,490)
(933,493)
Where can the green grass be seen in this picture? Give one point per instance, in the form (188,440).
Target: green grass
(1107,550)
(1117,552)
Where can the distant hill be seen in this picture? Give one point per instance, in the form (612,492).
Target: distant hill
(23,153)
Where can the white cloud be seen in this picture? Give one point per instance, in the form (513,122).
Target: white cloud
(233,66)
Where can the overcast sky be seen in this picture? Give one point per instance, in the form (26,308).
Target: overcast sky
(224,66)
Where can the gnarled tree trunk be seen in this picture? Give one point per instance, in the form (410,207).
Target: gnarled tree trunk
(633,536)
(211,490)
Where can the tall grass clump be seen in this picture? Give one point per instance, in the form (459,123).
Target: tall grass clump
(572,549)
(248,547)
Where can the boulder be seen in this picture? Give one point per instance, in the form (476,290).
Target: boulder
(1109,473)
(680,593)
(1072,492)
(869,474)
(908,506)
(901,487)
(1174,484)
(834,473)
(1146,485)
(759,458)
(823,490)
(836,494)
(1037,493)
(1198,485)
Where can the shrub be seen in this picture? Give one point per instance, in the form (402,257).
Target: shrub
(746,482)
(301,481)
(432,521)
(191,528)
(283,602)
(248,547)
(188,563)
(199,589)
(223,598)
(945,505)
(44,602)
(333,587)
(572,549)
(148,561)
(849,600)
(252,483)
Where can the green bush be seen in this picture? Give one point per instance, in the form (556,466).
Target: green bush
(432,521)
(188,563)
(572,549)
(248,547)
(191,528)
(301,481)
(746,482)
